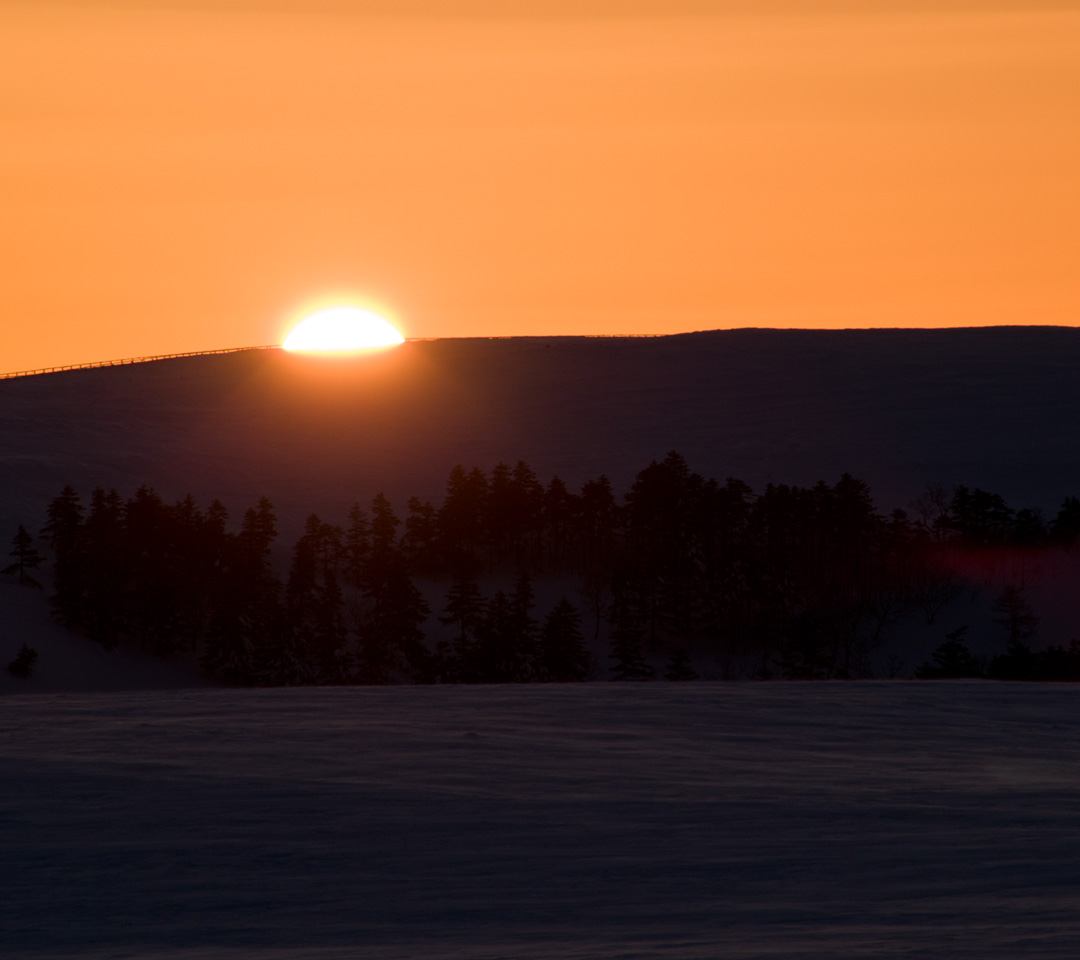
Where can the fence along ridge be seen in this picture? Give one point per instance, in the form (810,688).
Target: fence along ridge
(129,360)
(276,346)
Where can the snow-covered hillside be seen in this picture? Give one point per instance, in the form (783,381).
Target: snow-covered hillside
(143,816)
(991,407)
(68,662)
(590,821)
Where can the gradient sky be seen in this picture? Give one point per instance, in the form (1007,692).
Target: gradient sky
(189,175)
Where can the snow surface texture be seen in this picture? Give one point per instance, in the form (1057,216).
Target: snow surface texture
(618,820)
(994,407)
(68,662)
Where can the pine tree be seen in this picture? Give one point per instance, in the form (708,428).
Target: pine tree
(679,667)
(598,522)
(1066,526)
(314,605)
(1013,612)
(626,637)
(357,546)
(384,524)
(390,629)
(495,654)
(104,611)
(23,664)
(26,558)
(951,660)
(506,640)
(464,610)
(461,518)
(523,630)
(559,513)
(563,656)
(63,532)
(246,643)
(528,498)
(421,535)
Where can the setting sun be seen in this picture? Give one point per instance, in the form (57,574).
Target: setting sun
(342,329)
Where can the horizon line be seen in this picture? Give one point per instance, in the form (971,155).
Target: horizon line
(127,361)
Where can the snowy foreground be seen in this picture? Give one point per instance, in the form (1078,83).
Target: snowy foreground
(594,820)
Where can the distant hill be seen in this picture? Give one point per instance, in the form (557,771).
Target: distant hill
(996,407)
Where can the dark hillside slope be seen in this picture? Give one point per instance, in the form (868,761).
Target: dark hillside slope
(992,407)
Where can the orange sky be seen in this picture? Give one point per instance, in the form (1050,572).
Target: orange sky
(189,175)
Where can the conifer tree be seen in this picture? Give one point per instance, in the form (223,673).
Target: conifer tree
(23,664)
(528,499)
(247,643)
(420,540)
(1013,611)
(314,605)
(559,513)
(501,520)
(951,660)
(626,637)
(461,518)
(563,656)
(104,614)
(63,532)
(26,558)
(390,629)
(599,520)
(495,655)
(464,610)
(384,524)
(357,546)
(523,631)
(679,667)
(1066,526)
(152,566)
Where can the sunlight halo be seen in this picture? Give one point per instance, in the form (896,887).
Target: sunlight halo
(341,329)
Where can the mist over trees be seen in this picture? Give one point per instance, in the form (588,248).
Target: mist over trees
(799,581)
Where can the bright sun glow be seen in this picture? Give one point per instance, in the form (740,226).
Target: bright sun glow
(342,329)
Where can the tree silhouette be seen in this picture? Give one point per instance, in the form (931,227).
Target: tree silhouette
(563,656)
(679,667)
(559,513)
(951,661)
(357,547)
(1066,526)
(26,558)
(63,532)
(420,542)
(103,613)
(980,517)
(1013,612)
(599,520)
(461,518)
(497,654)
(464,610)
(626,636)
(23,664)
(804,579)
(247,640)
(389,628)
(314,605)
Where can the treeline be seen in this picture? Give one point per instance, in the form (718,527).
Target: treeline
(799,581)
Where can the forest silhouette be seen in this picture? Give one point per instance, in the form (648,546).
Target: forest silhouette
(800,582)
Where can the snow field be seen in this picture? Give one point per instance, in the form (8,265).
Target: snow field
(596,820)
